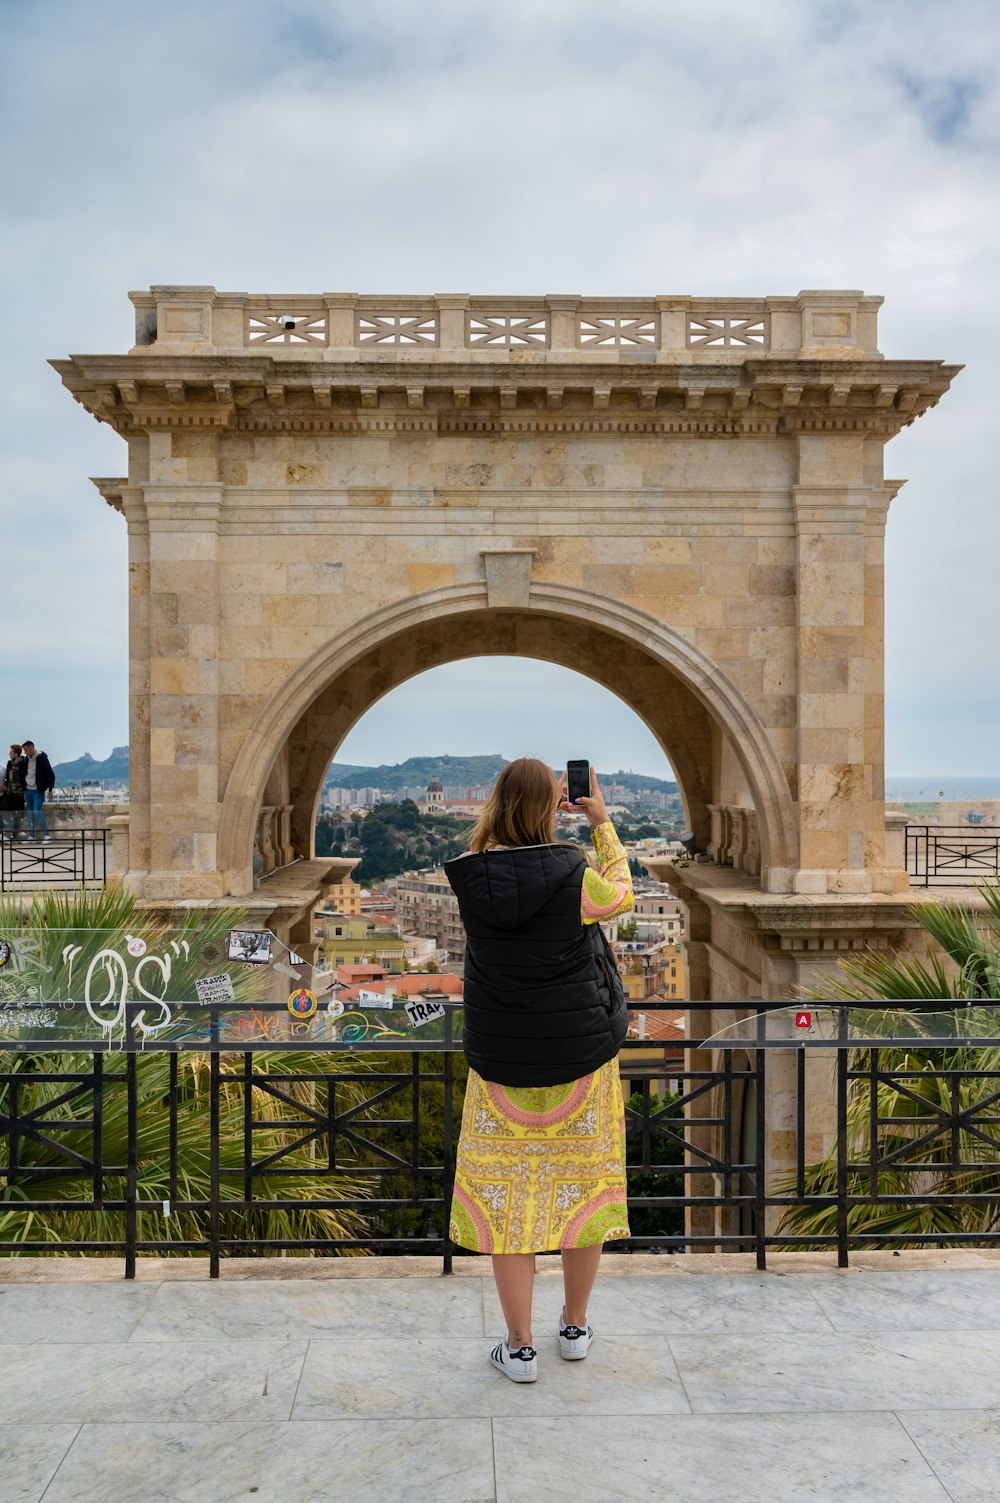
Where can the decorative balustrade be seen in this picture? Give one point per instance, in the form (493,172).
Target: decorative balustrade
(400,329)
(273,842)
(726,332)
(735,839)
(682,329)
(510,332)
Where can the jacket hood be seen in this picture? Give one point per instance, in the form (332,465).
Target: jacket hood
(506,888)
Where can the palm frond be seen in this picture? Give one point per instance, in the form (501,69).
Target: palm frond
(70,930)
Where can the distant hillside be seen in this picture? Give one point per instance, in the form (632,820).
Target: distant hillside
(416,772)
(113,769)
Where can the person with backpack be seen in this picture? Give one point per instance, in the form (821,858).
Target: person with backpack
(540,1162)
(39,779)
(12,795)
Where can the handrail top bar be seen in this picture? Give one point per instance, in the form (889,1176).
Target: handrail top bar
(860,1025)
(243,1026)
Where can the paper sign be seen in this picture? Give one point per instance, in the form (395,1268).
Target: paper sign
(376,999)
(215,988)
(252,946)
(423,1012)
(803,1020)
(296,959)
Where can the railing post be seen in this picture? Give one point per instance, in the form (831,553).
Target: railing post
(97,1094)
(760,1167)
(448,1155)
(214,1078)
(842,1085)
(132,1161)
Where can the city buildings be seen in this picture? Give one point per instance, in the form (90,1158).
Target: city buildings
(344,898)
(347,940)
(426,904)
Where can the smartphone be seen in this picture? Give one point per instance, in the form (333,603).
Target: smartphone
(577,781)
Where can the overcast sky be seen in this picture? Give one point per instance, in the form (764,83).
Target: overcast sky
(650,146)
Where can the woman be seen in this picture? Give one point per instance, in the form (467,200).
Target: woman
(12,794)
(540,1162)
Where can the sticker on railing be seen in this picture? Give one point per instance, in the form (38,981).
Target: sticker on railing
(215,988)
(376,999)
(251,946)
(4,953)
(302,1003)
(420,1013)
(135,946)
(803,1020)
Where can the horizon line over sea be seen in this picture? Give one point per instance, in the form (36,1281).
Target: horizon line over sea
(950,788)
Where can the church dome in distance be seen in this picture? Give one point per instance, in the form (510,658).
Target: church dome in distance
(434,786)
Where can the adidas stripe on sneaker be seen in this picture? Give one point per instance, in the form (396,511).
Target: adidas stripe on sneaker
(520,1366)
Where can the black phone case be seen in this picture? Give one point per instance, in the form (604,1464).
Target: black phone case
(577,783)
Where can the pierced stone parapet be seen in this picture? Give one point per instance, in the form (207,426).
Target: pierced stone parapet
(669,329)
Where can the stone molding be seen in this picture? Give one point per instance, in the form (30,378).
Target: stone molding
(254,393)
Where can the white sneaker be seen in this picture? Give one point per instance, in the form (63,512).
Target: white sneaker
(520,1366)
(574,1342)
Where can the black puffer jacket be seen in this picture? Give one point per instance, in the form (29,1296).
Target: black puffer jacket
(543,1000)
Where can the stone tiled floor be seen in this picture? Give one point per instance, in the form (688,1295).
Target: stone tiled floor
(301,1382)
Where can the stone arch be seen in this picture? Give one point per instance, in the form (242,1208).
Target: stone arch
(680,693)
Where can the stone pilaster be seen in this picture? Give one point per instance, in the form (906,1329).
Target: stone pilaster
(839,527)
(184,668)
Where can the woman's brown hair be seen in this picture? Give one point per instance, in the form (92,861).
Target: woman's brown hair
(521,810)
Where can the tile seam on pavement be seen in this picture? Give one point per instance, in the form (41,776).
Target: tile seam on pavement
(62,1458)
(298,1383)
(493,1455)
(898,1417)
(680,1378)
(154,1289)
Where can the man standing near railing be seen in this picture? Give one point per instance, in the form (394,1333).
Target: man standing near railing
(39,779)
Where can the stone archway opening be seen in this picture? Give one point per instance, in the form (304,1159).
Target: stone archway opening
(720,757)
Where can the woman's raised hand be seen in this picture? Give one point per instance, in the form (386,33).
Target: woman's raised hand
(593,806)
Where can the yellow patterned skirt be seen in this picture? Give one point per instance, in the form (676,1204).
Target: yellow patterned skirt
(541,1167)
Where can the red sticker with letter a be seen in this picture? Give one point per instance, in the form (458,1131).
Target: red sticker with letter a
(803,1020)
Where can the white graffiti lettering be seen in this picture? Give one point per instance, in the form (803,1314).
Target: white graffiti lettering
(116,973)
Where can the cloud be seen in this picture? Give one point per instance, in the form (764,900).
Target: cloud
(643,148)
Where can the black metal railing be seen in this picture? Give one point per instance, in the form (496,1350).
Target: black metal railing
(67,859)
(962,854)
(721,1161)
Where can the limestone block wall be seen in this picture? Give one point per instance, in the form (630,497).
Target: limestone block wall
(684,500)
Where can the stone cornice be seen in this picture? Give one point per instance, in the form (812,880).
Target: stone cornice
(111,490)
(257,393)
